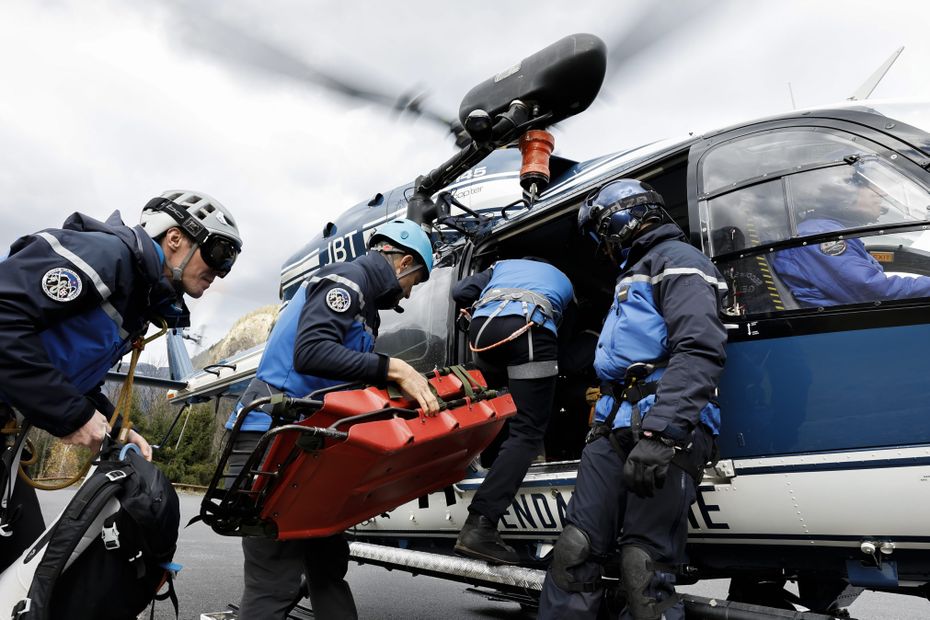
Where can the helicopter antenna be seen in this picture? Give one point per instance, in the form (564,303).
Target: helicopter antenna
(791,94)
(869,85)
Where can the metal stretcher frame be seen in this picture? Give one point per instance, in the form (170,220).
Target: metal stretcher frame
(348,453)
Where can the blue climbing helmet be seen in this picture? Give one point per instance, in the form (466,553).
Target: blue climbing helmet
(613,214)
(408,238)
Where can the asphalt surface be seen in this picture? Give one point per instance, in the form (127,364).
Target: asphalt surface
(212,579)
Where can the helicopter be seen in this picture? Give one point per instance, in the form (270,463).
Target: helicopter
(825,435)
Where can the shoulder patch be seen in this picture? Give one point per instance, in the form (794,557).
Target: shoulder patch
(833,248)
(62,284)
(338,299)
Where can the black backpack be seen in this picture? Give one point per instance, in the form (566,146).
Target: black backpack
(123,567)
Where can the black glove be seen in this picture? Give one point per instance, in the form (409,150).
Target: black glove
(463,320)
(647,465)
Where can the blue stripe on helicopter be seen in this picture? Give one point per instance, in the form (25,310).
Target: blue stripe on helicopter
(693,537)
(472,483)
(696,536)
(833,466)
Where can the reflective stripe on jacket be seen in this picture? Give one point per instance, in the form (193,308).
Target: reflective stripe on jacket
(666,308)
(325,334)
(71,301)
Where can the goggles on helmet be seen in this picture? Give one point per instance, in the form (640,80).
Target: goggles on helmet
(219,253)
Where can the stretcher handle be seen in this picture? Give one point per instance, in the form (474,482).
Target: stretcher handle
(407,414)
(458,371)
(329,433)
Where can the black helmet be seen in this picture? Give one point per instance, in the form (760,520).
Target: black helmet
(614,214)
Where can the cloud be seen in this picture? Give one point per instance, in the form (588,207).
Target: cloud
(107,103)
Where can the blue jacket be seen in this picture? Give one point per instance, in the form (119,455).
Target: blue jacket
(72,300)
(666,309)
(840,272)
(530,275)
(326,332)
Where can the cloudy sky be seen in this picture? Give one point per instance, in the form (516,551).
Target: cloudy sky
(106,103)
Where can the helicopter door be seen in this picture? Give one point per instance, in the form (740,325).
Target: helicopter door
(819,360)
(420,335)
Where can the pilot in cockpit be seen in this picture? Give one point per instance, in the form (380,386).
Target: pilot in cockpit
(842,271)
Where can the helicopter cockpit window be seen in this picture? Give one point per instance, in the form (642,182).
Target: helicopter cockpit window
(843,199)
(769,153)
(419,335)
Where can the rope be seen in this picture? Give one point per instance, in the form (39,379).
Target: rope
(512,336)
(123,408)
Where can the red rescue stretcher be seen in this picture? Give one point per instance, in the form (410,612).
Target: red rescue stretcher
(355,454)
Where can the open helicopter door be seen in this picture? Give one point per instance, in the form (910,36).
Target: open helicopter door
(347,455)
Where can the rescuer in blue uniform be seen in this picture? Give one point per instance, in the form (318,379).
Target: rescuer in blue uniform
(842,271)
(324,336)
(659,357)
(72,301)
(517,308)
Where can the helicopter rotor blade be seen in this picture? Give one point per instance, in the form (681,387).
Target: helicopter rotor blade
(654,25)
(236,46)
(645,32)
(409,103)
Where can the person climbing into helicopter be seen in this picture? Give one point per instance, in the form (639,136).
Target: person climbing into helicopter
(659,357)
(72,302)
(843,271)
(517,308)
(324,336)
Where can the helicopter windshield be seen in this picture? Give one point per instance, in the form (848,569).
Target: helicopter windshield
(864,215)
(763,188)
(761,155)
(419,335)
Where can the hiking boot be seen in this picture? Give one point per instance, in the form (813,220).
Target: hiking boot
(480,539)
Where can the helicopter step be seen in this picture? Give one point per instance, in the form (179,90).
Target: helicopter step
(522,584)
(300,612)
(519,584)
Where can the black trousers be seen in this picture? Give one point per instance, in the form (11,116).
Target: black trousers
(273,568)
(605,511)
(24,515)
(533,398)
(27,524)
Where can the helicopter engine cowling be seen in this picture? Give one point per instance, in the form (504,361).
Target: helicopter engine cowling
(558,81)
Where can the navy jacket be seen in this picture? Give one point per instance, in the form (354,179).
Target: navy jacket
(666,309)
(326,332)
(840,272)
(72,300)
